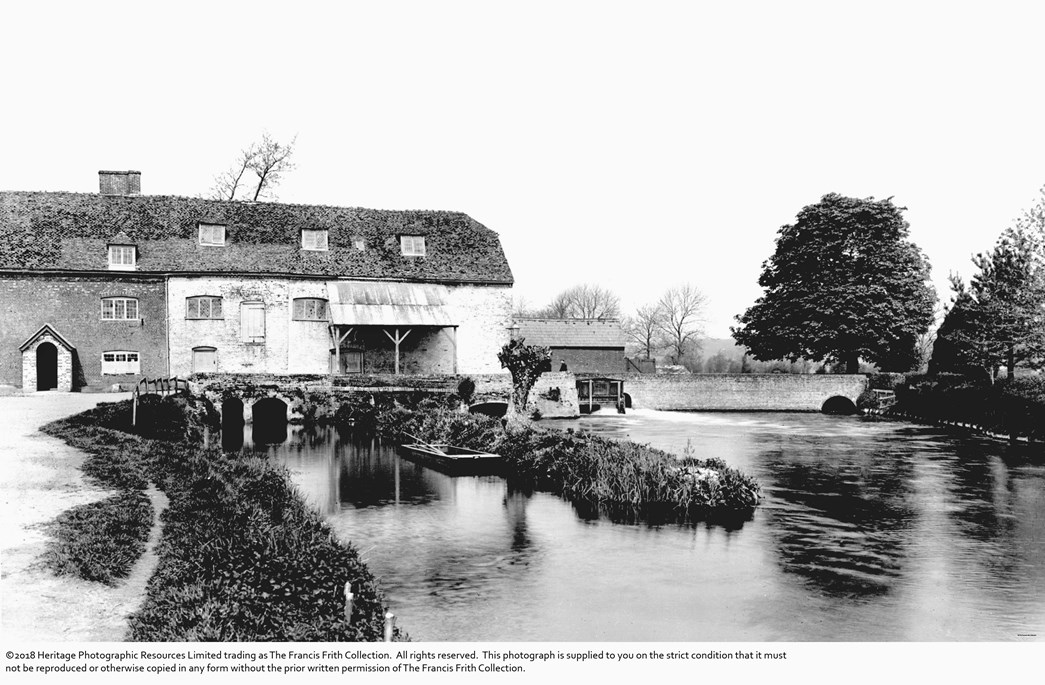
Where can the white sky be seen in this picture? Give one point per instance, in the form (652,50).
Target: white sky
(634,145)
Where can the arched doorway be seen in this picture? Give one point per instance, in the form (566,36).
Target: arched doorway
(46,366)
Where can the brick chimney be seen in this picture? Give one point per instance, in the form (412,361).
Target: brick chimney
(120,182)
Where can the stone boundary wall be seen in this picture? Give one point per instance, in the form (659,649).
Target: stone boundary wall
(554,395)
(740,392)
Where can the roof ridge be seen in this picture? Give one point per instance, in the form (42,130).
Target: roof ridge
(248,203)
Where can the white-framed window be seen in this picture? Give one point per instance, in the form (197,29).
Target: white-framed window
(120,362)
(203,307)
(119,309)
(212,234)
(310,309)
(412,245)
(252,322)
(359,243)
(314,239)
(122,257)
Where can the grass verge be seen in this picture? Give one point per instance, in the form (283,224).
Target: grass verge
(241,556)
(101,541)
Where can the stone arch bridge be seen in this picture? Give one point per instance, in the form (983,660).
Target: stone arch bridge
(745,392)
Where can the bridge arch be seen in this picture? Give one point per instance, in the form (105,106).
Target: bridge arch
(837,404)
(269,418)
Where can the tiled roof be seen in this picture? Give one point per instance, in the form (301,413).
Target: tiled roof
(70,232)
(571,332)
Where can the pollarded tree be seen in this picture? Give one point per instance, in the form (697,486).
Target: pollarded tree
(844,284)
(526,363)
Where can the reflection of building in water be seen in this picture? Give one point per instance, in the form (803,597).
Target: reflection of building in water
(310,455)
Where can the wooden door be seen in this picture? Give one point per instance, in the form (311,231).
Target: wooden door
(204,360)
(252,321)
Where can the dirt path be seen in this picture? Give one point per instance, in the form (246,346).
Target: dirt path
(41,478)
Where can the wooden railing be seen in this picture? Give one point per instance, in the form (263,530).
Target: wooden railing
(886,398)
(156,386)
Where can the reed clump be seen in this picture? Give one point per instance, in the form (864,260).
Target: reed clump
(616,476)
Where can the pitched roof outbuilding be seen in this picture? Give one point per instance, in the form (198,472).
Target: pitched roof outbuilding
(70,232)
(571,332)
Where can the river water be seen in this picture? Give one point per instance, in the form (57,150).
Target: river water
(869,531)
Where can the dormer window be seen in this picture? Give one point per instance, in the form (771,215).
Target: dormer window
(412,245)
(314,239)
(212,235)
(122,257)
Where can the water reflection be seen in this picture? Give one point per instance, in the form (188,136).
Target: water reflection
(869,531)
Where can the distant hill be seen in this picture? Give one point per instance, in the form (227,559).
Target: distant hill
(709,347)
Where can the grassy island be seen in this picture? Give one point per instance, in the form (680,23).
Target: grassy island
(622,479)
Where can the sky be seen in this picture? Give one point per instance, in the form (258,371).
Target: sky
(636,146)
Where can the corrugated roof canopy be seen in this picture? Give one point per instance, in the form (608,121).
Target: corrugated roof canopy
(364,303)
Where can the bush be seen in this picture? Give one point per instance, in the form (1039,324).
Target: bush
(1014,407)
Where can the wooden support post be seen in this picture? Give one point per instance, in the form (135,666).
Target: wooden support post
(338,338)
(454,335)
(397,339)
(390,625)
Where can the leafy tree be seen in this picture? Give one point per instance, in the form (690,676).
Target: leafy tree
(1000,319)
(257,170)
(958,349)
(585,301)
(844,284)
(680,315)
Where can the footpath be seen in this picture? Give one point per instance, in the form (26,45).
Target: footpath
(41,478)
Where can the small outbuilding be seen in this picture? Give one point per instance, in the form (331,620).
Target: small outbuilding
(584,345)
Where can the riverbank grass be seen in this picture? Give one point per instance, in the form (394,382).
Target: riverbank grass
(241,556)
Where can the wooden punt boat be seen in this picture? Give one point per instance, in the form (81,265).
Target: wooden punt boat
(453,460)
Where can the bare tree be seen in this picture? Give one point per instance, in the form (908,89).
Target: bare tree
(681,320)
(266,161)
(643,329)
(585,301)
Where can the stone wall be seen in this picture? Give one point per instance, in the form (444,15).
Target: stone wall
(554,396)
(482,315)
(234,354)
(740,392)
(313,396)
